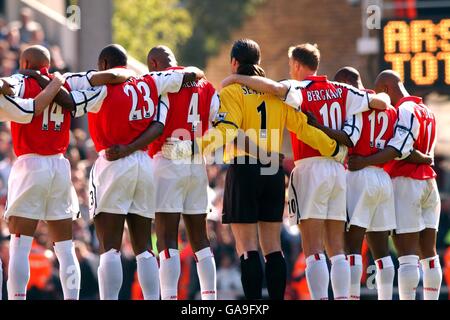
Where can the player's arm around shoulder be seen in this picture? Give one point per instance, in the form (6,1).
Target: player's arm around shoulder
(259,84)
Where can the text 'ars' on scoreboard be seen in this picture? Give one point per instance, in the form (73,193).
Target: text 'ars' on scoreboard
(419,50)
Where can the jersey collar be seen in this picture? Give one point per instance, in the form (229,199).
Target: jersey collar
(317,78)
(416,100)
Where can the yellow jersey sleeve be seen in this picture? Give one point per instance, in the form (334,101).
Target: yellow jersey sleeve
(227,122)
(297,122)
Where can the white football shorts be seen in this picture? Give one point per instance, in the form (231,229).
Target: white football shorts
(317,190)
(181,187)
(123,186)
(417,204)
(370,200)
(40,188)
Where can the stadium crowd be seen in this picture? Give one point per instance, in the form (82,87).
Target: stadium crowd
(44,281)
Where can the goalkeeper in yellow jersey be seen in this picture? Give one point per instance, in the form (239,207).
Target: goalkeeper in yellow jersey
(254,195)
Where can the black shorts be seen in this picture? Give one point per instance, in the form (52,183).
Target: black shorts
(250,197)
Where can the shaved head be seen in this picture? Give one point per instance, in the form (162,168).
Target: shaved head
(389,81)
(160,58)
(111,56)
(349,75)
(35,58)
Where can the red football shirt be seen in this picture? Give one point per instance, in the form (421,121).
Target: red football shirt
(120,113)
(416,129)
(48,133)
(331,103)
(370,131)
(190,112)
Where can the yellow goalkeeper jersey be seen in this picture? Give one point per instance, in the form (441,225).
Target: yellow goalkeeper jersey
(263,118)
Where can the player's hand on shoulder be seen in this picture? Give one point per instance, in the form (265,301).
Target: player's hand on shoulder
(30,73)
(6,88)
(199,74)
(58,78)
(117,152)
(176,149)
(356,163)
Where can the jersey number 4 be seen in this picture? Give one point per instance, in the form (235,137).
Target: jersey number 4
(54,114)
(193,115)
(147,111)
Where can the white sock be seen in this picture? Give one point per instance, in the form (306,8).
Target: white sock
(432,278)
(69,269)
(340,277)
(317,276)
(206,270)
(356,269)
(19,266)
(169,273)
(408,277)
(385,277)
(148,275)
(110,275)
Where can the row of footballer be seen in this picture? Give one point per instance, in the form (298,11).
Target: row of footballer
(145,171)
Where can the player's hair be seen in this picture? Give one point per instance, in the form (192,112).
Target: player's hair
(248,54)
(306,54)
(115,55)
(348,75)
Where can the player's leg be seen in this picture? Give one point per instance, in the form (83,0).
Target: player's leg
(432,271)
(147,266)
(431,266)
(407,245)
(354,238)
(340,267)
(335,231)
(269,230)
(109,230)
(317,274)
(409,220)
(206,266)
(69,268)
(169,256)
(62,205)
(246,237)
(240,210)
(22,232)
(378,244)
(275,267)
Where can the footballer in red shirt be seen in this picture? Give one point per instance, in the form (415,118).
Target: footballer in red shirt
(370,196)
(181,184)
(417,202)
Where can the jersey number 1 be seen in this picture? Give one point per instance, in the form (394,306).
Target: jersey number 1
(262,110)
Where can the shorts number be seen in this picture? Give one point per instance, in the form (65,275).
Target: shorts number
(383,120)
(333,115)
(193,115)
(55,114)
(147,111)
